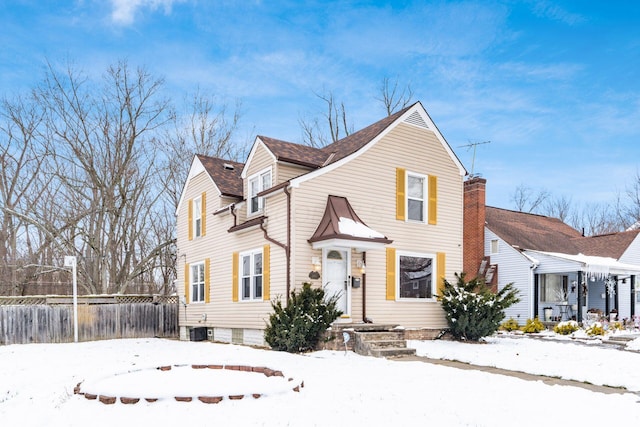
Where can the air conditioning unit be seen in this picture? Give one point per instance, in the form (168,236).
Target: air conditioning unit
(198,334)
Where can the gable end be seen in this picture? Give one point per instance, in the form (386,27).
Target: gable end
(416,119)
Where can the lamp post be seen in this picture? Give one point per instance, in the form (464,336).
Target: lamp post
(70,261)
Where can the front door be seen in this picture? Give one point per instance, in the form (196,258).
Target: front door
(336,277)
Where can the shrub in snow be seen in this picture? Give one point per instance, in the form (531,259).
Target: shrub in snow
(510,325)
(297,327)
(616,326)
(595,328)
(533,326)
(566,328)
(472,310)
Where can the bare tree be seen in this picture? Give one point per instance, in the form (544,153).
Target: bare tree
(334,123)
(21,153)
(209,128)
(104,160)
(629,211)
(558,207)
(392,97)
(94,169)
(525,198)
(596,218)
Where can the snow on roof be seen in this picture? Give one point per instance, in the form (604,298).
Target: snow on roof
(357,229)
(597,266)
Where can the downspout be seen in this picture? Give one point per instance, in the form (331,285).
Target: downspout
(536,291)
(632,278)
(536,295)
(364,288)
(579,297)
(287,246)
(607,302)
(232,209)
(616,296)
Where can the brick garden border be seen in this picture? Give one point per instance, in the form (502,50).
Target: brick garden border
(129,400)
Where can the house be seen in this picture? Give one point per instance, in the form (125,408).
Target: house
(556,269)
(375,218)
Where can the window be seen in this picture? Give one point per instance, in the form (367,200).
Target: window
(257,183)
(197,282)
(415,197)
(553,287)
(416,276)
(494,246)
(251,275)
(197,217)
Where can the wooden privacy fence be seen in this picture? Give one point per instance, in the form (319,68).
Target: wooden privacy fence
(49,319)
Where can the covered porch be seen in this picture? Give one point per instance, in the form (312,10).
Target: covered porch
(580,287)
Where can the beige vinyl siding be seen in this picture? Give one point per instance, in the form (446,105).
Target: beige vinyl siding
(369,182)
(194,250)
(286,172)
(276,226)
(218,245)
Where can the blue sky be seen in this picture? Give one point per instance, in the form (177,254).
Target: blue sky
(554,85)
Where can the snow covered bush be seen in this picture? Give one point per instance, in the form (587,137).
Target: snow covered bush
(595,328)
(297,327)
(533,326)
(472,310)
(566,328)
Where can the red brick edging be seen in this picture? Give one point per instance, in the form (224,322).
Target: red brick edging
(128,400)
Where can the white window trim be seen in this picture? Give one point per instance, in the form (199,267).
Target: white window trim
(252,275)
(192,282)
(491,246)
(434,275)
(197,217)
(425,196)
(257,176)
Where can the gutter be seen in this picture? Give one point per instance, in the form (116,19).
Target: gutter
(287,246)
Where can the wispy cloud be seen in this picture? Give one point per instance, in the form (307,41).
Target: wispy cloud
(554,12)
(124,11)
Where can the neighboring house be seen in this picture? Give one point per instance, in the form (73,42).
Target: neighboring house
(553,265)
(375,218)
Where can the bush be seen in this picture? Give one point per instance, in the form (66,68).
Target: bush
(510,325)
(595,329)
(566,328)
(297,327)
(616,326)
(472,310)
(533,326)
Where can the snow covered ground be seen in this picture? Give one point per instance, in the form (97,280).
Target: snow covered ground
(340,389)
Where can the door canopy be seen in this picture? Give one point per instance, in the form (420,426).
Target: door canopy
(340,226)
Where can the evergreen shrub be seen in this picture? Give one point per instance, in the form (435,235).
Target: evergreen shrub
(473,311)
(533,326)
(510,325)
(298,326)
(595,329)
(566,328)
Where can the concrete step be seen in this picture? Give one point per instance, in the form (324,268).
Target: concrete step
(363,327)
(380,336)
(619,340)
(614,343)
(622,338)
(393,352)
(387,344)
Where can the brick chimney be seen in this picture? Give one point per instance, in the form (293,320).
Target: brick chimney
(474,219)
